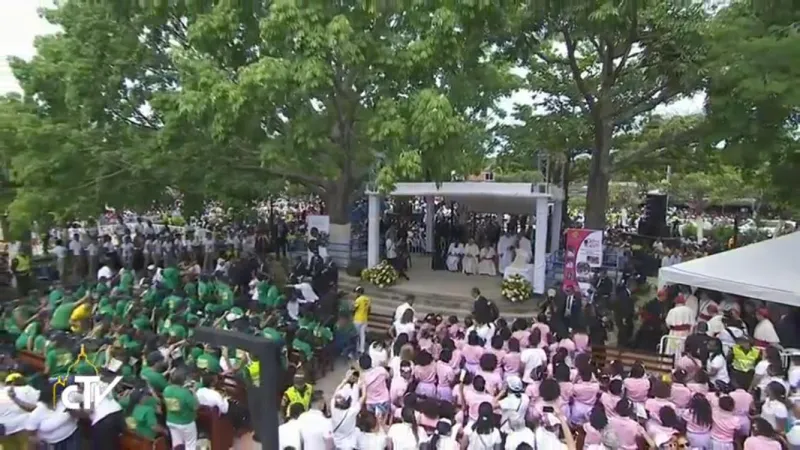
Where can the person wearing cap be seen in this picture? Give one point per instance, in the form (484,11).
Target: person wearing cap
(361,308)
(180,405)
(680,320)
(16,400)
(299,392)
(514,404)
(764,333)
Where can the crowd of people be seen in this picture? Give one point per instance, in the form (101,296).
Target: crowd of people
(122,319)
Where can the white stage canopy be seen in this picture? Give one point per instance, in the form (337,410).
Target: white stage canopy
(767,270)
(482,196)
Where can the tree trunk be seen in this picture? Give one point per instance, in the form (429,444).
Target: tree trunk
(337,203)
(599,176)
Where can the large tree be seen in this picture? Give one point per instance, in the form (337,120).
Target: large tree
(612,61)
(331,95)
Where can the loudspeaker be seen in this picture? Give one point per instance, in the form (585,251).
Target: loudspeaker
(654,218)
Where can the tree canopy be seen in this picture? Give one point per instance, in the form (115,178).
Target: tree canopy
(235,101)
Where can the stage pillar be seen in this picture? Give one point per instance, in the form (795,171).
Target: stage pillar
(555,231)
(373,230)
(539,250)
(430,213)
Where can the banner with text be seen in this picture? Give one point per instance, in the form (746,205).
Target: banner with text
(583,253)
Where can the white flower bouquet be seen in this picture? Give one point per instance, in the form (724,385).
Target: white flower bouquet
(516,289)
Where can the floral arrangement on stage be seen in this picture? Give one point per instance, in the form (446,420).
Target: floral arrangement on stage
(381,275)
(516,289)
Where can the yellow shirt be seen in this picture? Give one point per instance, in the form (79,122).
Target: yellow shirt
(361,309)
(82,312)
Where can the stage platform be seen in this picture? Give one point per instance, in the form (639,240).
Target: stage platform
(447,290)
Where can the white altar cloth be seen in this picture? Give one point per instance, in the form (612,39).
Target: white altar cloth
(526,272)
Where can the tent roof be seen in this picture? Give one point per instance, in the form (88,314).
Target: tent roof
(484,196)
(766,270)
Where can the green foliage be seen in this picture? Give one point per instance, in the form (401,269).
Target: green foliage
(620,61)
(689,230)
(522,176)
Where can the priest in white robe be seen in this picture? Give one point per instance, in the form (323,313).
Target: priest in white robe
(505,251)
(525,244)
(680,320)
(454,254)
(764,334)
(486,265)
(706,305)
(470,261)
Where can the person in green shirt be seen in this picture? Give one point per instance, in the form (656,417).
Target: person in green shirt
(171,278)
(56,295)
(141,414)
(301,343)
(26,338)
(126,280)
(153,372)
(209,361)
(61,315)
(205,289)
(59,357)
(180,406)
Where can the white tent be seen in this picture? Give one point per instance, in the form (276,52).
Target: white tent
(768,270)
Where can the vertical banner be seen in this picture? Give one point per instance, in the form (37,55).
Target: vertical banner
(584,251)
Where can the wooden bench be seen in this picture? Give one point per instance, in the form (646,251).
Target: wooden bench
(379,324)
(654,363)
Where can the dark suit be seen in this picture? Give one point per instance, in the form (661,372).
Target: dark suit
(569,308)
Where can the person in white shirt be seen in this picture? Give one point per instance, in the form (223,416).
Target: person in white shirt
(16,403)
(210,397)
(316,430)
(442,438)
(764,332)
(407,435)
(289,434)
(76,250)
(54,425)
(405,325)
(92,254)
(774,409)
(372,435)
(105,272)
(519,434)
(308,294)
(408,304)
(514,405)
(378,353)
(209,252)
(717,365)
(531,358)
(60,252)
(482,435)
(345,406)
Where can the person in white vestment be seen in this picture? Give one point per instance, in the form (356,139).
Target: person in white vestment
(680,320)
(693,303)
(525,244)
(706,304)
(454,254)
(716,324)
(486,265)
(505,251)
(470,261)
(764,334)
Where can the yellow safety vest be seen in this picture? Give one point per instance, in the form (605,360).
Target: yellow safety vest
(744,362)
(294,396)
(23,264)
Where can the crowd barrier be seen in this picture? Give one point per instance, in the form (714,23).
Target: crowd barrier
(674,346)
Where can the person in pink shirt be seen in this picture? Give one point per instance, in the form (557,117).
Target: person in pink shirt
(399,385)
(498,350)
(724,426)
(488,366)
(625,425)
(544,330)
(584,393)
(763,437)
(610,399)
(563,376)
(425,374)
(679,393)
(668,424)
(472,353)
(743,401)
(700,383)
(456,358)
(637,385)
(580,339)
(660,399)
(532,391)
(549,396)
(519,331)
(445,376)
(512,359)
(376,380)
(428,414)
(474,396)
(698,417)
(593,429)
(689,364)
(425,340)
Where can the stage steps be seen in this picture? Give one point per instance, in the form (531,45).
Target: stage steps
(385,302)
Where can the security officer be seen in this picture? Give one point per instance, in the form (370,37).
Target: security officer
(21,267)
(299,392)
